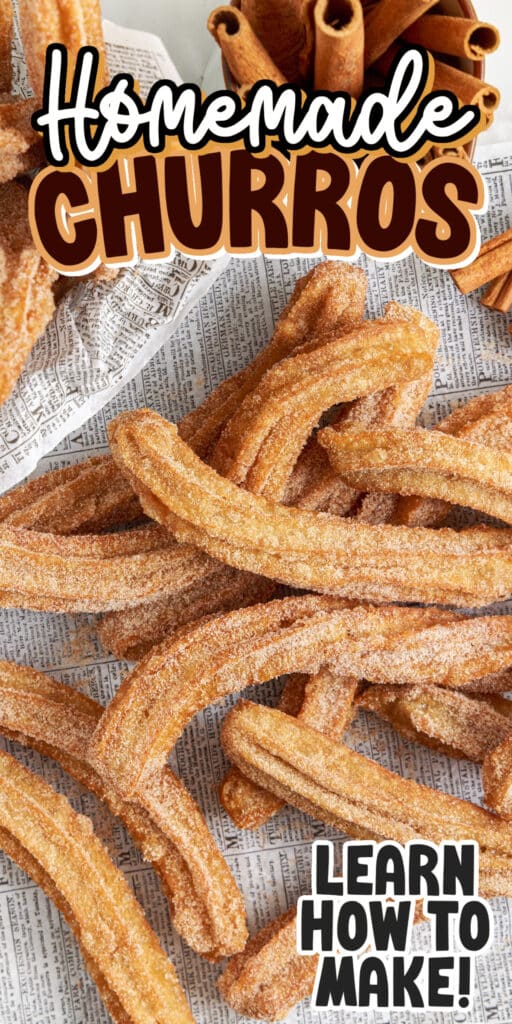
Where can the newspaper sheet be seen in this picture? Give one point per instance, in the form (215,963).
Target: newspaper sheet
(42,977)
(103,332)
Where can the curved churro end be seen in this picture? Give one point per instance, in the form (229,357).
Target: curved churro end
(248,808)
(446,720)
(269,977)
(423,463)
(497,779)
(222,655)
(59,850)
(305,549)
(58,721)
(334,784)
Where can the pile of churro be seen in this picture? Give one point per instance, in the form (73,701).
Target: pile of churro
(29,289)
(292,525)
(349,45)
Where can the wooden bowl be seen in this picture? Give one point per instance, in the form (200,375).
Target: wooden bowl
(455,8)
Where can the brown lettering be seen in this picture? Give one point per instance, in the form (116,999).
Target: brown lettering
(321,181)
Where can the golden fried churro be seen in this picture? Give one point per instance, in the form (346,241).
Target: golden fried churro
(269,977)
(95,496)
(58,721)
(325,701)
(446,720)
(93,573)
(249,805)
(208,660)
(426,463)
(334,784)
(262,441)
(74,23)
(331,297)
(316,486)
(58,849)
(25,287)
(132,632)
(89,497)
(485,420)
(300,548)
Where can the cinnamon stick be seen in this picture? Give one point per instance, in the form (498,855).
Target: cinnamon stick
(285,29)
(386,21)
(246,56)
(494,259)
(459,37)
(499,294)
(339,46)
(467,88)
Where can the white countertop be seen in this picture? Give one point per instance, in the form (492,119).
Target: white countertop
(182,26)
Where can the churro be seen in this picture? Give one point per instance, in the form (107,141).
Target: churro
(59,722)
(269,977)
(93,573)
(25,287)
(330,298)
(485,420)
(300,548)
(249,805)
(354,794)
(132,632)
(314,484)
(431,464)
(88,497)
(224,654)
(446,720)
(497,778)
(60,852)
(325,701)
(94,495)
(261,443)
(74,23)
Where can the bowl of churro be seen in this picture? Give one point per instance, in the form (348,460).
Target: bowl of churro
(350,45)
